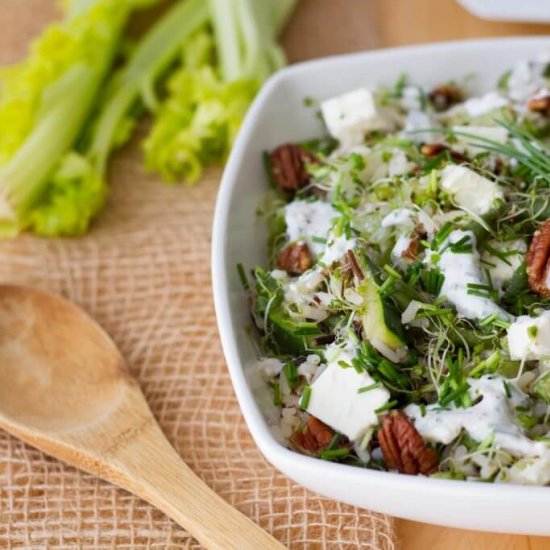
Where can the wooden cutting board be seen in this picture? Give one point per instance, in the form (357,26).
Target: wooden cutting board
(328,27)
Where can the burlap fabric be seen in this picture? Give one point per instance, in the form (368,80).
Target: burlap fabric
(144,273)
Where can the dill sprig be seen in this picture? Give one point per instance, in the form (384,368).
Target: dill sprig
(529,152)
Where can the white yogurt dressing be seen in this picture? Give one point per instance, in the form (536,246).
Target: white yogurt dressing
(494,416)
(459,270)
(335,249)
(306,220)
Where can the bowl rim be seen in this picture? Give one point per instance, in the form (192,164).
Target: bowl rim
(273,450)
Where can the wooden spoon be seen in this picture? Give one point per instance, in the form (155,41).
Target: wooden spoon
(65,389)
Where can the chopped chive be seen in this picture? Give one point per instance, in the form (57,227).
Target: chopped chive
(507,389)
(277,401)
(306,396)
(442,234)
(365,389)
(489,320)
(485,291)
(242,276)
(433,281)
(344,365)
(391,271)
(331,454)
(488,365)
(422,408)
(356,364)
(291,374)
(462,246)
(532,331)
(500,254)
(319,240)
(386,285)
(453,395)
(386,407)
(333,442)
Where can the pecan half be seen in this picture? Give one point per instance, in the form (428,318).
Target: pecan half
(314,437)
(288,166)
(411,252)
(538,260)
(295,259)
(431,150)
(540,105)
(444,96)
(403,448)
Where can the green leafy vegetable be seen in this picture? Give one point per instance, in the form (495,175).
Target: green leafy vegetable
(54,153)
(78,189)
(45,103)
(210,93)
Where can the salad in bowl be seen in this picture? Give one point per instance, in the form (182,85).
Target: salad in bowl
(403,318)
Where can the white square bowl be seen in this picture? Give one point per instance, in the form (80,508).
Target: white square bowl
(278,115)
(531,11)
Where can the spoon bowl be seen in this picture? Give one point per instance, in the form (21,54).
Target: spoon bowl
(65,389)
(47,370)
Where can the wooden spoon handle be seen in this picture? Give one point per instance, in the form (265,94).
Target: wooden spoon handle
(149,467)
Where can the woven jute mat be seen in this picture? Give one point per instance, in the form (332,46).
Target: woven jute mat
(144,273)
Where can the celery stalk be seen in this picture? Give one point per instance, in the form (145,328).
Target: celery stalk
(138,79)
(53,92)
(199,120)
(78,189)
(224,21)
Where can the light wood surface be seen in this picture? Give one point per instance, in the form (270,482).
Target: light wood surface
(324,27)
(65,389)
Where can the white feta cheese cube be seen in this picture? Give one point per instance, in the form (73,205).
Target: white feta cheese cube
(529,337)
(494,133)
(350,116)
(469,190)
(335,400)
